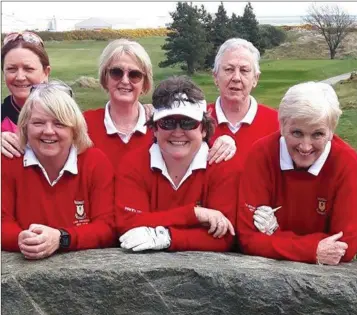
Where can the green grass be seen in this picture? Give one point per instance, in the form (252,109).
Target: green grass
(72,59)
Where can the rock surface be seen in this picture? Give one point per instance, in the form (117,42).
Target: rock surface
(112,281)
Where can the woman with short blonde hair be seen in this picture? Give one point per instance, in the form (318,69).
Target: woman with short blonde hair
(60,195)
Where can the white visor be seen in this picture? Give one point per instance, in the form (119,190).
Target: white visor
(182,107)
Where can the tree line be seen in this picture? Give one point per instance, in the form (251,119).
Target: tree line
(196,35)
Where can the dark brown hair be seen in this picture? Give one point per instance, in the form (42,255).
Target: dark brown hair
(166,93)
(38,50)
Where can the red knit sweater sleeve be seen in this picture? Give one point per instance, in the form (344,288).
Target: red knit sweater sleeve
(256,189)
(344,214)
(221,195)
(10,229)
(100,232)
(132,194)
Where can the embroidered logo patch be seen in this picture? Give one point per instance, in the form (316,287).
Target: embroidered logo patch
(321,206)
(80,214)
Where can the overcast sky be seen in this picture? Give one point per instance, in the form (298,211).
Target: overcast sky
(16,14)
(142,9)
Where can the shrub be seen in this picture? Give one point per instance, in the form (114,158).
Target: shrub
(271,36)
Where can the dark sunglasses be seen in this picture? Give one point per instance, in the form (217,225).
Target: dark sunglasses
(117,74)
(63,87)
(184,123)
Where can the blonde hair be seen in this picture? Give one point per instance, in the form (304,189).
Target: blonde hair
(310,101)
(233,44)
(116,49)
(56,100)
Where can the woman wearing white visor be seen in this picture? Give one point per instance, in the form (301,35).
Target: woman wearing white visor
(169,197)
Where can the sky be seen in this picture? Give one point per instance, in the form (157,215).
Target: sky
(133,14)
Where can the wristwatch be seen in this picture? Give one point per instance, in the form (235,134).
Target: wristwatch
(65,239)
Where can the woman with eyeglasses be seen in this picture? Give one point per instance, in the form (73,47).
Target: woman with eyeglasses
(125,72)
(298,190)
(60,195)
(24,62)
(168,196)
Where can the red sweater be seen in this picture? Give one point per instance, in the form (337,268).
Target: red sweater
(265,122)
(112,145)
(28,198)
(144,197)
(313,207)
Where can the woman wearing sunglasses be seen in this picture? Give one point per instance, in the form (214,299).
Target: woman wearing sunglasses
(125,72)
(60,195)
(168,196)
(25,63)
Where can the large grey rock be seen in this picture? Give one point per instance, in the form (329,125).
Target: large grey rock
(111,281)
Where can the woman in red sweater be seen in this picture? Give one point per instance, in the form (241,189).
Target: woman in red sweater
(298,194)
(167,196)
(236,73)
(60,195)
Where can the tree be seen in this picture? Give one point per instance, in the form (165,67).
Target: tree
(250,29)
(219,32)
(187,42)
(330,21)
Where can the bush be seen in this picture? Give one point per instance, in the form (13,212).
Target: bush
(105,34)
(271,36)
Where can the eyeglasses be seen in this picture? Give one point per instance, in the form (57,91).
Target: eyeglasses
(117,74)
(184,123)
(61,86)
(28,37)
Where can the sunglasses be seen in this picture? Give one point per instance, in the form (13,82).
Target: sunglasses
(117,74)
(184,123)
(28,37)
(61,86)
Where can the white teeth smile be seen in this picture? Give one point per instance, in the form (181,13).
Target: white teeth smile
(49,141)
(304,154)
(181,143)
(22,86)
(125,90)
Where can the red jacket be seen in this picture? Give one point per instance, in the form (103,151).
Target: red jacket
(144,197)
(28,198)
(313,207)
(264,123)
(112,145)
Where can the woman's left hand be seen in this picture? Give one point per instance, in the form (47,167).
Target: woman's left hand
(149,110)
(44,244)
(223,148)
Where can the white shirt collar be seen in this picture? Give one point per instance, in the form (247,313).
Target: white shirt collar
(70,165)
(111,129)
(248,118)
(198,162)
(286,162)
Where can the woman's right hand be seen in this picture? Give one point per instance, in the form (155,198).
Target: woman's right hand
(219,225)
(10,144)
(330,250)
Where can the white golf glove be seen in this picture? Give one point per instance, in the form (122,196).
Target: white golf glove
(265,220)
(143,238)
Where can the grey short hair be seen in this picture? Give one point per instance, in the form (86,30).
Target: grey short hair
(119,47)
(310,101)
(54,97)
(236,43)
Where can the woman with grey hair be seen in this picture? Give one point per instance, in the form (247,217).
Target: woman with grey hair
(60,195)
(298,194)
(236,73)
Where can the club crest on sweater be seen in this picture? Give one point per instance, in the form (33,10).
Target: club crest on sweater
(80,214)
(321,207)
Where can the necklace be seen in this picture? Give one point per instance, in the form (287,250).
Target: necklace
(17,108)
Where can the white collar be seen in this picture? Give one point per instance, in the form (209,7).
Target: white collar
(199,162)
(70,165)
(286,162)
(248,118)
(111,129)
